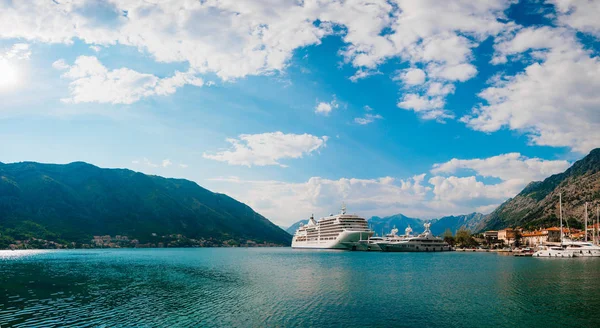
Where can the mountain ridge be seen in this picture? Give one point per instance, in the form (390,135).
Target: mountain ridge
(438,226)
(536,205)
(77,200)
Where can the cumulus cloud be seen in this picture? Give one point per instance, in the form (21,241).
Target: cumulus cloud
(18,51)
(268,148)
(428,107)
(440,192)
(513,169)
(324,108)
(581,15)
(506,167)
(233,39)
(411,76)
(554,100)
(286,202)
(93,82)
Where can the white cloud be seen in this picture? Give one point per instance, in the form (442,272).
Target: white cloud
(363,73)
(455,191)
(286,203)
(427,107)
(411,76)
(96,48)
(439,89)
(419,196)
(93,82)
(368,118)
(581,15)
(513,169)
(324,108)
(268,148)
(233,39)
(18,51)
(183,166)
(146,163)
(554,100)
(60,65)
(367,108)
(505,167)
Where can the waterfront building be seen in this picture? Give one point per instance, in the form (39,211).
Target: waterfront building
(535,238)
(491,236)
(507,235)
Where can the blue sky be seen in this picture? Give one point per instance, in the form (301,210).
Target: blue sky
(424,108)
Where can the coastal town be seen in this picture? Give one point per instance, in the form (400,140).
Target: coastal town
(121,241)
(519,237)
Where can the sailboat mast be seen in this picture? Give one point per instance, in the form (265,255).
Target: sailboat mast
(560,214)
(586,219)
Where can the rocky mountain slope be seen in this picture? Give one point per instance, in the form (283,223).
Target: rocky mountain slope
(455,222)
(537,204)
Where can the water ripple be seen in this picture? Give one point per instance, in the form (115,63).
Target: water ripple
(283,287)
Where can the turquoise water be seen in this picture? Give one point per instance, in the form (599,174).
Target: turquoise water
(272,287)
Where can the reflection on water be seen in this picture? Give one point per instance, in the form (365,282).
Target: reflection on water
(284,287)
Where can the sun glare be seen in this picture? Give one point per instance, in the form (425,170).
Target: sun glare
(9,75)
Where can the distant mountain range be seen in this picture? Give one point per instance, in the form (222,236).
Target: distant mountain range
(292,229)
(438,226)
(75,201)
(384,225)
(537,204)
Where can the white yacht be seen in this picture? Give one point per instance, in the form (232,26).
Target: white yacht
(582,249)
(425,242)
(552,251)
(569,248)
(342,231)
(555,251)
(373,243)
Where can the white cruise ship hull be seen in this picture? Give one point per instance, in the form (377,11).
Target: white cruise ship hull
(553,253)
(345,240)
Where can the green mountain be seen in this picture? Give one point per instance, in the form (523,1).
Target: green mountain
(537,204)
(75,201)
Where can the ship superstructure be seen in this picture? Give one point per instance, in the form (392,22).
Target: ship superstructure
(341,231)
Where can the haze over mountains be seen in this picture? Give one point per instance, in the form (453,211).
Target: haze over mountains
(383,225)
(75,201)
(535,206)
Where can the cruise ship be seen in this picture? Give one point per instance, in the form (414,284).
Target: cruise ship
(341,231)
(425,242)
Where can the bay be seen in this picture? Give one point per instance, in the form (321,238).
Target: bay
(280,287)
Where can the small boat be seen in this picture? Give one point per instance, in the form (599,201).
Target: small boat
(525,252)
